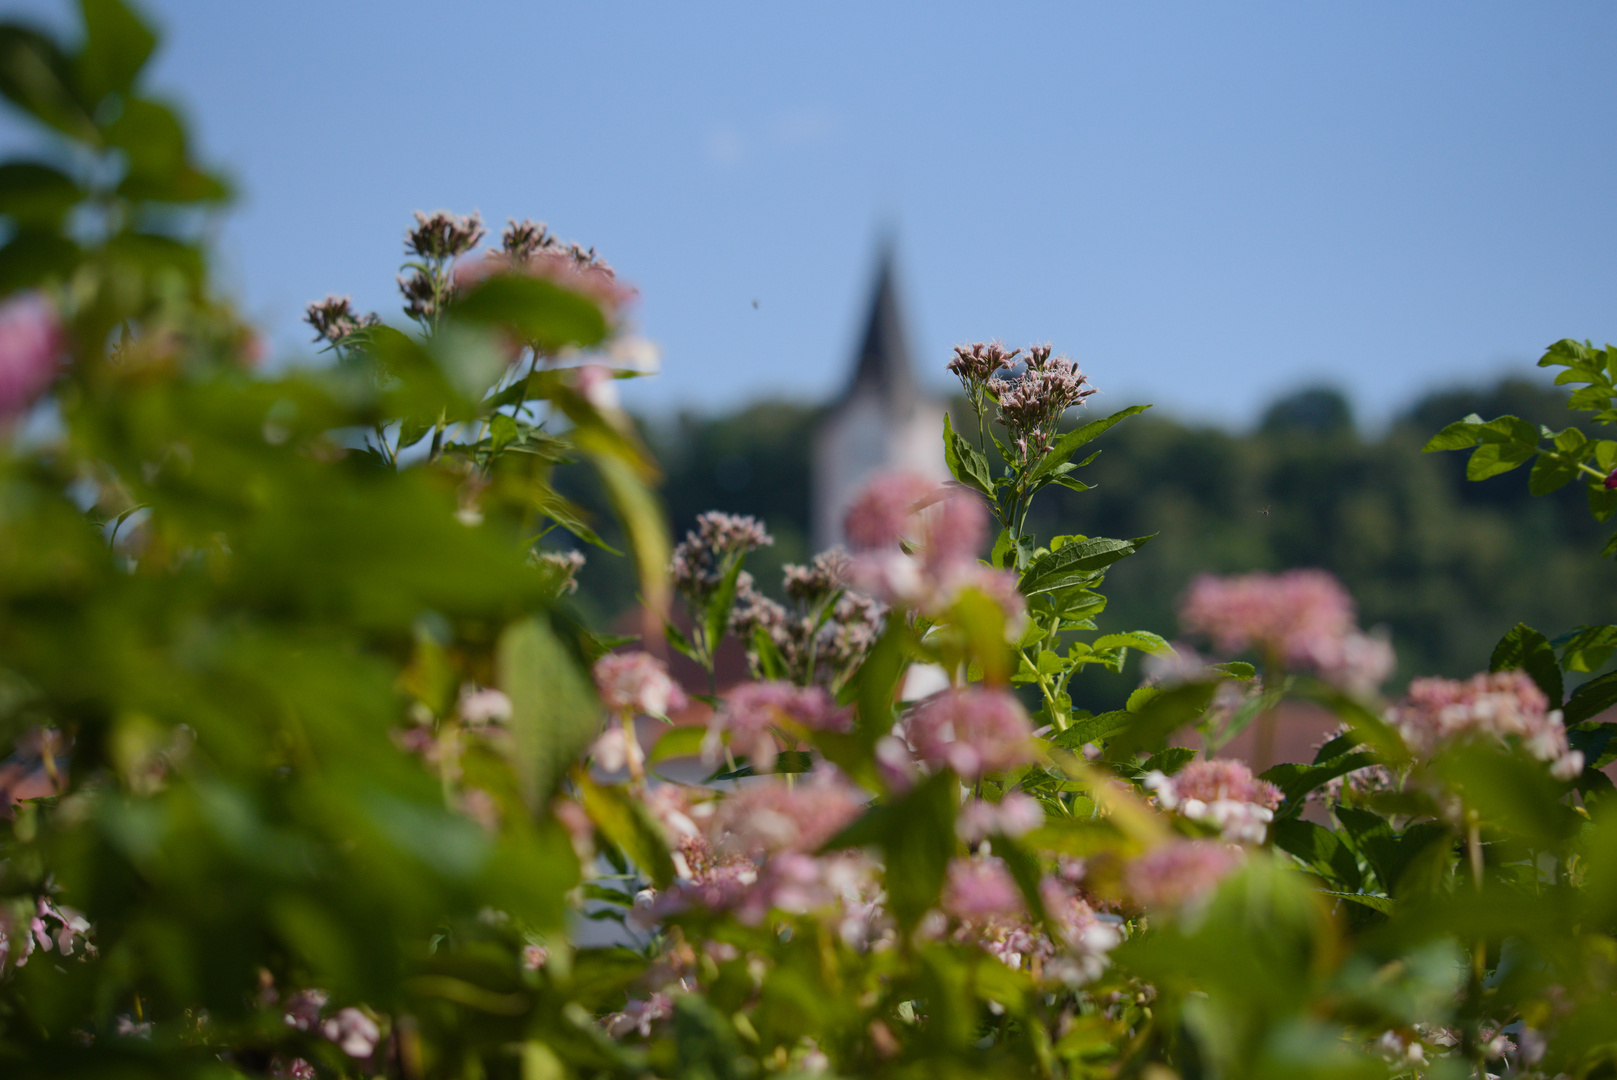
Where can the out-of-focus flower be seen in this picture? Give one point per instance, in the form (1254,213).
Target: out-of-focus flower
(617,748)
(1498,705)
(951,524)
(1303,619)
(32,348)
(753,712)
(302,1010)
(1221,792)
(1016,815)
(534,957)
(637,682)
(972,730)
(563,568)
(639,1017)
(1611,480)
(770,816)
(1179,872)
(881,512)
(598,386)
(979,887)
(483,705)
(826,573)
(354,1033)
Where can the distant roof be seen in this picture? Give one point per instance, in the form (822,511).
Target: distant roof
(883,363)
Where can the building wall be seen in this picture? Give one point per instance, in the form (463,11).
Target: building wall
(864,435)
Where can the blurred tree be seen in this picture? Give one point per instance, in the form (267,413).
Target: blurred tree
(1446,565)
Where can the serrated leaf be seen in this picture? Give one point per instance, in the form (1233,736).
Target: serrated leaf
(1525,648)
(1069,443)
(965,463)
(1074,563)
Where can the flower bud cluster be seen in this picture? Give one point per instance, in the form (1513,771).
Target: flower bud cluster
(702,559)
(634,683)
(1032,404)
(334,320)
(817,645)
(442,235)
(1499,705)
(974,365)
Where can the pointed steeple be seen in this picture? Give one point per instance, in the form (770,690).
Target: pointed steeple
(884,363)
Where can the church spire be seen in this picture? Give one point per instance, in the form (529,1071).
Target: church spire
(884,363)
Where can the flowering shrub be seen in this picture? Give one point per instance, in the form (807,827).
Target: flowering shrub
(336,785)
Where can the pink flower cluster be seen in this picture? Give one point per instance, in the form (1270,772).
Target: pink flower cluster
(52,926)
(1498,705)
(32,348)
(1303,619)
(950,525)
(972,730)
(637,682)
(354,1032)
(758,715)
(1015,815)
(987,910)
(1179,872)
(1221,792)
(700,561)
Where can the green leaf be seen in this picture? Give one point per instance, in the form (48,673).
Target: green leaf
(32,194)
(1591,699)
(534,310)
(878,677)
(1587,648)
(1321,849)
(38,79)
(554,712)
(1296,781)
(678,742)
(1457,436)
(1158,718)
(1069,443)
(1074,563)
(1493,459)
(117,45)
(716,619)
(1525,648)
(628,824)
(1144,640)
(966,465)
(502,431)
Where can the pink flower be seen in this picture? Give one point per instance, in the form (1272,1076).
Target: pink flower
(972,731)
(980,887)
(1611,480)
(637,682)
(1179,872)
(32,347)
(1016,815)
(769,816)
(354,1033)
(1221,792)
(955,531)
(881,512)
(1301,618)
(753,711)
(1498,705)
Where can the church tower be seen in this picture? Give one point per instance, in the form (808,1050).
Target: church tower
(884,419)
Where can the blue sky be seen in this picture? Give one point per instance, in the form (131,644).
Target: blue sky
(1206,204)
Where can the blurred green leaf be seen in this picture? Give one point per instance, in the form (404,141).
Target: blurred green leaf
(534,310)
(116,47)
(1525,648)
(554,712)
